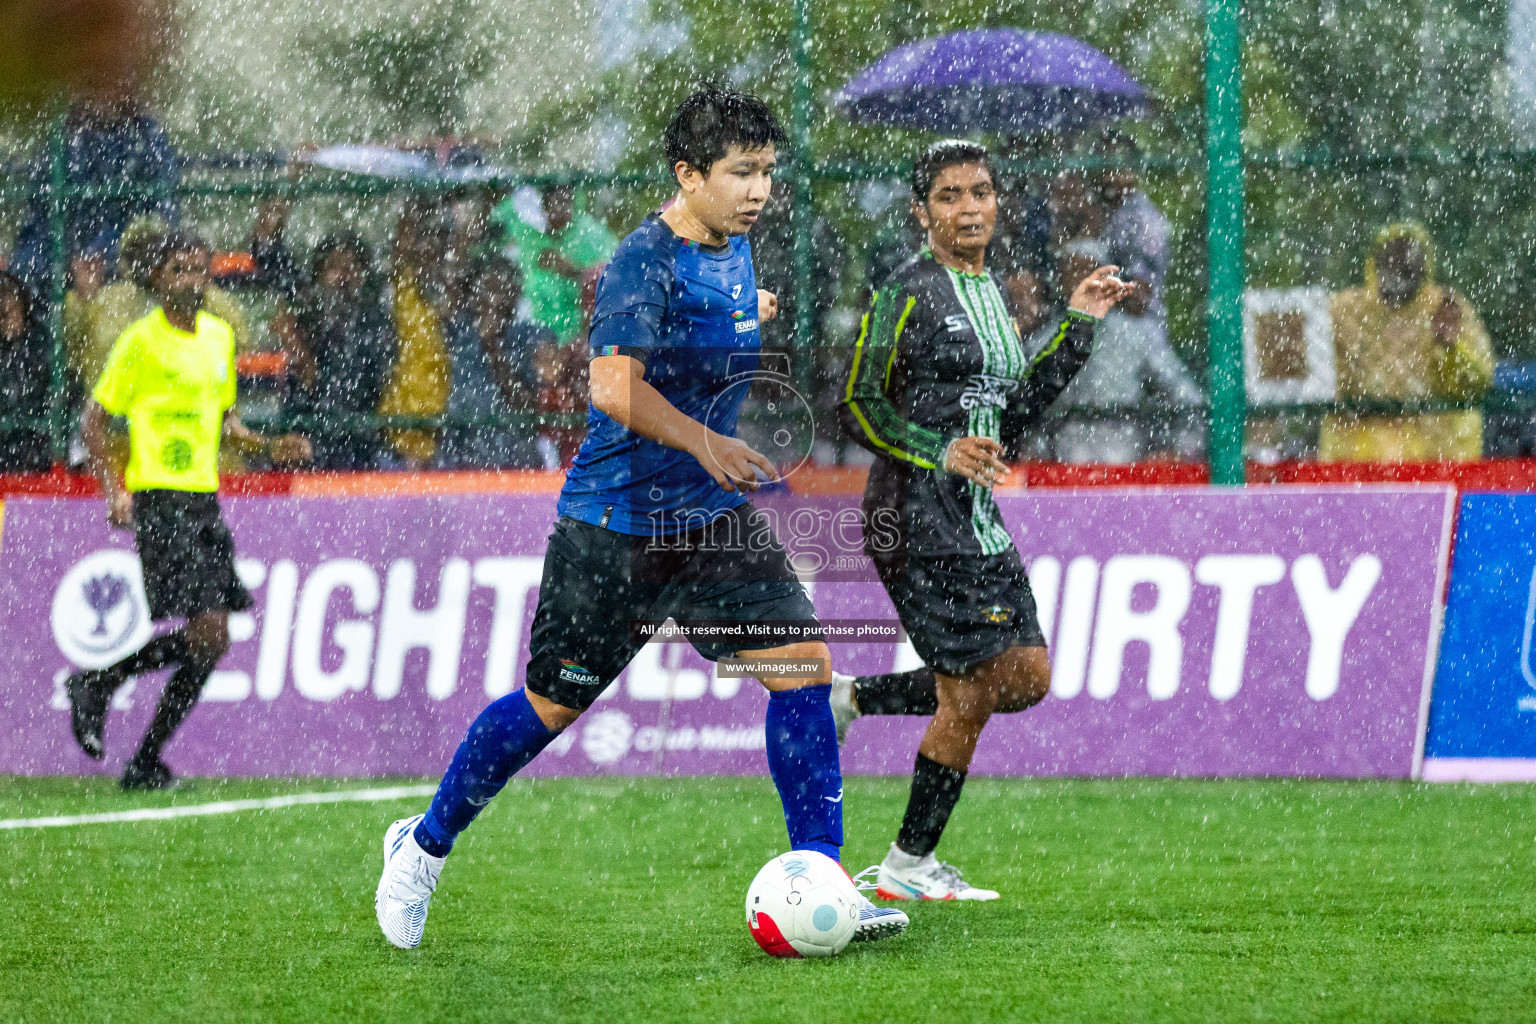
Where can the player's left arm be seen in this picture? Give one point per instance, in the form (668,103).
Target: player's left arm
(1065,354)
(286,449)
(621,392)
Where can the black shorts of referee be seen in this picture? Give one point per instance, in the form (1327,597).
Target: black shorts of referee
(187,554)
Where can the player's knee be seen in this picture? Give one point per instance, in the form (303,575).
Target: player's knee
(207,638)
(1027,682)
(969,701)
(803,664)
(555,717)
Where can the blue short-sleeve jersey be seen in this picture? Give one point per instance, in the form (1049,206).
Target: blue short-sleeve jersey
(689,313)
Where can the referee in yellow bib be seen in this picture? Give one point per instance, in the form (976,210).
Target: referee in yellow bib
(172,376)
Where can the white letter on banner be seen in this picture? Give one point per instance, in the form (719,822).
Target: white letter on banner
(511,579)
(1076,628)
(1158,626)
(276,630)
(353,636)
(1330,615)
(403,626)
(1239,577)
(1045,583)
(229,684)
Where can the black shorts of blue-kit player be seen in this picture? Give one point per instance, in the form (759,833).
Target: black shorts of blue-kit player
(188,555)
(597,582)
(961,610)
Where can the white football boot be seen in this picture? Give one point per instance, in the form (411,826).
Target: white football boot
(844,710)
(902,876)
(405,888)
(875,922)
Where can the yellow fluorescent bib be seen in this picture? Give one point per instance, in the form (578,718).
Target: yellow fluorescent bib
(174,388)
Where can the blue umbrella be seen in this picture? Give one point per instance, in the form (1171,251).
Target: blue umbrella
(992,80)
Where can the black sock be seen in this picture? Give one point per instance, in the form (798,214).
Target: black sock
(897,693)
(158,653)
(935,788)
(180,695)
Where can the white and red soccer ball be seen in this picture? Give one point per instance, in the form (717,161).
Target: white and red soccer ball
(802,904)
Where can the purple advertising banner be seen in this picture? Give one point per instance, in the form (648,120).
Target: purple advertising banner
(1283,631)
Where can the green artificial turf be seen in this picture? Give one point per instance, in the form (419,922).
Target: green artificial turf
(619,900)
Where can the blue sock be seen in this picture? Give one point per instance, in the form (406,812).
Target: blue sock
(802,757)
(500,742)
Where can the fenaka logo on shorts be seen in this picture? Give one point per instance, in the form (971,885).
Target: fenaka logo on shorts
(570,672)
(99,612)
(743,323)
(998,614)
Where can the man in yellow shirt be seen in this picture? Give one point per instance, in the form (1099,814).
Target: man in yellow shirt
(1404,337)
(172,376)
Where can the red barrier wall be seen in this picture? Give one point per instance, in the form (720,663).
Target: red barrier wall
(1489,475)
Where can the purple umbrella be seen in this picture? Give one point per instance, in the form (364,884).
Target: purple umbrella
(992,80)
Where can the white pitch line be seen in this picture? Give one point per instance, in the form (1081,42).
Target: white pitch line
(224,807)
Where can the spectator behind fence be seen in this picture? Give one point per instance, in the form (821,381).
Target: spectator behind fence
(277,270)
(1136,233)
(1402,337)
(565,388)
(26,375)
(97,313)
(558,246)
(1021,249)
(1130,355)
(493,372)
(418,385)
(341,349)
(107,142)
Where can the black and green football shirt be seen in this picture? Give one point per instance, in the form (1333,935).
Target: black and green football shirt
(939,357)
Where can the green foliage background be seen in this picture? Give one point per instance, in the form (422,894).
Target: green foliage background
(1351,80)
(1355,81)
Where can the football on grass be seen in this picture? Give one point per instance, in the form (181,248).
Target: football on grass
(802,904)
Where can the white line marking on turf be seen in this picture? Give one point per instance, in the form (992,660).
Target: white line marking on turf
(224,807)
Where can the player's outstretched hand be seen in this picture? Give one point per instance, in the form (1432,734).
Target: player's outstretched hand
(767,306)
(979,459)
(733,463)
(291,449)
(1097,293)
(120,510)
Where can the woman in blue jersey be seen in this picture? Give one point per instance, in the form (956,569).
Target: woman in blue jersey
(654,517)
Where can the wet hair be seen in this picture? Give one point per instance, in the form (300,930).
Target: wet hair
(170,244)
(707,124)
(341,241)
(942,154)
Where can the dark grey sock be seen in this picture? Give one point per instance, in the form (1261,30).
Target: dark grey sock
(897,693)
(935,789)
(176,703)
(161,651)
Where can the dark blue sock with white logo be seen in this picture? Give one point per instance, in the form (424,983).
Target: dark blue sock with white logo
(500,742)
(802,757)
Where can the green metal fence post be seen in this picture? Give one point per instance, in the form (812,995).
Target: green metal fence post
(1224,237)
(58,420)
(802,213)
